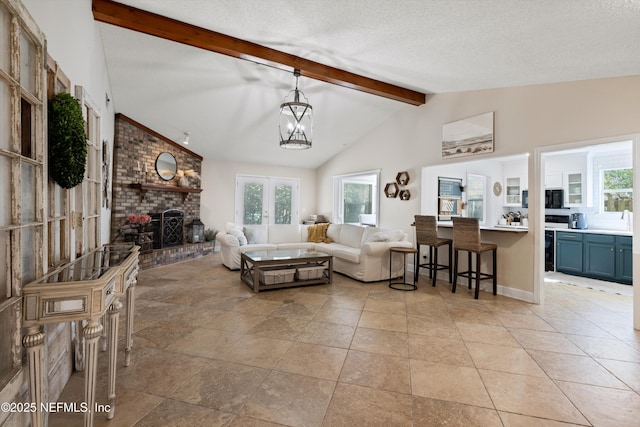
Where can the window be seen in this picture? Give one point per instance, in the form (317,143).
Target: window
(617,194)
(475,196)
(356,194)
(266,200)
(58,207)
(88,195)
(22,157)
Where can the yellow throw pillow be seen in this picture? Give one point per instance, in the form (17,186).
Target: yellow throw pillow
(317,233)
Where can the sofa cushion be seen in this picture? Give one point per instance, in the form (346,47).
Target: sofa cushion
(284,233)
(347,254)
(351,235)
(258,247)
(255,233)
(333,232)
(301,245)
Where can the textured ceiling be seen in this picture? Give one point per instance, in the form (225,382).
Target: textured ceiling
(230,106)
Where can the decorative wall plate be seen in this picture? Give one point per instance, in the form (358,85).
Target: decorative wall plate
(497,188)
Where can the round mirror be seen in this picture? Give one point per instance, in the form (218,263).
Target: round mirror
(166,166)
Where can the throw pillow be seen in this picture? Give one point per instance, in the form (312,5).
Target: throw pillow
(242,239)
(252,235)
(395,235)
(380,236)
(317,233)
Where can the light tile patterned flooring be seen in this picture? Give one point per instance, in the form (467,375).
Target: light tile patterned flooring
(209,352)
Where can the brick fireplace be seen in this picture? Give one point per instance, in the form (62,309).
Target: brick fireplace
(138,189)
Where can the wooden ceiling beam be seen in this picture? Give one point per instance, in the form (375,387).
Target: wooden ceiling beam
(124,16)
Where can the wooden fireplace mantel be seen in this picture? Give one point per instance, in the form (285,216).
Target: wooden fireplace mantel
(158,187)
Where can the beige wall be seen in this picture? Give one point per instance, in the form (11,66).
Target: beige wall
(217,200)
(525,118)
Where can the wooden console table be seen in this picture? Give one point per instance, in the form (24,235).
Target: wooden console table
(83,290)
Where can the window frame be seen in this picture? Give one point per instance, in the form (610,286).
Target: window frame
(604,190)
(370,176)
(23,239)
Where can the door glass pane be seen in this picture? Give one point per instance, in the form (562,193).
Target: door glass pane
(282,212)
(5,191)
(4,264)
(92,231)
(5,39)
(54,242)
(28,193)
(28,254)
(253,198)
(27,64)
(5,114)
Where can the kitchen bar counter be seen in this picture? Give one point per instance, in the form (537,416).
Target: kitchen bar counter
(500,228)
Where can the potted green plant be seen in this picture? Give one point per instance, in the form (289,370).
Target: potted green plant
(210,234)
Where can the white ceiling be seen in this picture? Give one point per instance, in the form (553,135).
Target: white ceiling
(231,106)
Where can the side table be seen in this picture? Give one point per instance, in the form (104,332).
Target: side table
(402,286)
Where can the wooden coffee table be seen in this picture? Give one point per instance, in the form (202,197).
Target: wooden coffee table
(285,268)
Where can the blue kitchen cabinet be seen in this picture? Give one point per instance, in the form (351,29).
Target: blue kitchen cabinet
(569,253)
(600,256)
(624,259)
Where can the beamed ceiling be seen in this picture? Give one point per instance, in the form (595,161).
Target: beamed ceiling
(220,69)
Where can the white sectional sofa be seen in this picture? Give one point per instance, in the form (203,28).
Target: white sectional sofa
(358,252)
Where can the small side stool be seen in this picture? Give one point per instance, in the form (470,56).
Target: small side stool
(401,286)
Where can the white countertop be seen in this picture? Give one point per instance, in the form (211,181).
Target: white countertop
(501,228)
(595,231)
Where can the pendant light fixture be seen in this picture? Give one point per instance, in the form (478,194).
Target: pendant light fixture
(296,120)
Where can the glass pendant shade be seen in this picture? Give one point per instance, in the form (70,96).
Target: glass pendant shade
(296,121)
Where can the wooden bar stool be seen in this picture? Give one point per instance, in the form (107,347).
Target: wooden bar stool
(427,235)
(466,237)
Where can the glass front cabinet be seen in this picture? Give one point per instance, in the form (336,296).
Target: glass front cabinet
(513,193)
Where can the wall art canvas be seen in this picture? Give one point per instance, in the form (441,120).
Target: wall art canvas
(468,136)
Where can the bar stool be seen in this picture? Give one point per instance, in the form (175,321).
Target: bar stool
(466,237)
(427,235)
(401,286)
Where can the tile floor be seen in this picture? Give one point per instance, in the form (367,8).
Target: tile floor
(209,352)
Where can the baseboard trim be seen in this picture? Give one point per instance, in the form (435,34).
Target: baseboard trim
(506,291)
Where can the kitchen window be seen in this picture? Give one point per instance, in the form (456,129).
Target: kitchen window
(476,195)
(617,193)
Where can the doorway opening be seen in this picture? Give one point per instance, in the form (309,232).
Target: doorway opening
(580,170)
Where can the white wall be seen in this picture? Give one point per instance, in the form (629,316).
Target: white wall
(217,200)
(75,43)
(525,118)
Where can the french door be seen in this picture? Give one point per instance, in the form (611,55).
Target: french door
(266,200)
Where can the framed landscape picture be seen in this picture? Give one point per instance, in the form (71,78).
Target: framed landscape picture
(468,136)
